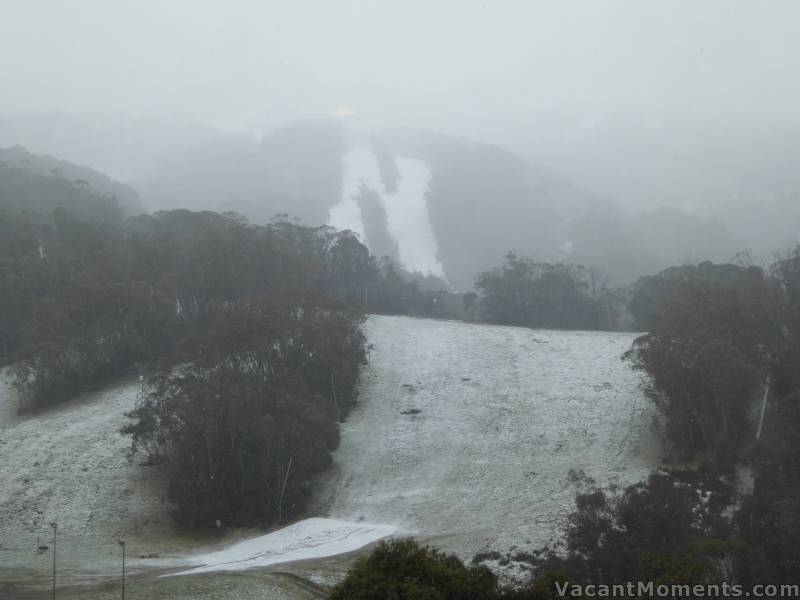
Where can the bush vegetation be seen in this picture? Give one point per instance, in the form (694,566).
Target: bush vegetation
(720,338)
(253,412)
(543,295)
(404,570)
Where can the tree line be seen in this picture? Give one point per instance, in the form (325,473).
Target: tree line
(252,334)
(731,334)
(89,293)
(544,295)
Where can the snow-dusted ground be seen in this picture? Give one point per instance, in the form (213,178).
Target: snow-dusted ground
(408,220)
(310,538)
(508,418)
(69,465)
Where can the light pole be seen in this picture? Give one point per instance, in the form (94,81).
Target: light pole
(122,543)
(55,539)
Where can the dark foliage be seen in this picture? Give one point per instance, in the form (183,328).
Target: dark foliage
(523,292)
(88,299)
(709,347)
(25,190)
(770,516)
(254,331)
(403,570)
(641,532)
(252,414)
(716,331)
(92,331)
(652,295)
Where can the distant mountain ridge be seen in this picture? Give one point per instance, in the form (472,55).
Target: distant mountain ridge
(49,166)
(436,203)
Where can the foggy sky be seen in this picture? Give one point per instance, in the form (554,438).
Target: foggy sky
(454,66)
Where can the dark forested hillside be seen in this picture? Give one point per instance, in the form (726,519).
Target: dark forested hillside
(82,177)
(252,336)
(713,336)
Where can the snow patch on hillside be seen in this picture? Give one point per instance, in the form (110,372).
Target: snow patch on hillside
(407,213)
(406,210)
(360,168)
(311,538)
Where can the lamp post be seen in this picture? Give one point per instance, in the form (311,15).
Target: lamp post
(55,539)
(122,543)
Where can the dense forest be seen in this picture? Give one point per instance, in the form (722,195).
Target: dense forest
(251,335)
(62,240)
(544,295)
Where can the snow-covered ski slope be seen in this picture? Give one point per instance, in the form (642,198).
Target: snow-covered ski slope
(69,465)
(507,417)
(406,207)
(508,420)
(307,539)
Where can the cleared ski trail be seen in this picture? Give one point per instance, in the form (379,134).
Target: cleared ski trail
(509,419)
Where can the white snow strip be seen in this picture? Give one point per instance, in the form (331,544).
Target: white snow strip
(360,168)
(311,538)
(407,215)
(406,210)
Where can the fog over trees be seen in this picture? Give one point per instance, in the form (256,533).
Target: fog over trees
(670,140)
(214,199)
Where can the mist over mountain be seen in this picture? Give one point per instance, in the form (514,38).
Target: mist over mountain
(439,204)
(34,166)
(123,147)
(741,171)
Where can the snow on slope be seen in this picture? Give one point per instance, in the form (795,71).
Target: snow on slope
(69,465)
(409,223)
(55,463)
(360,167)
(406,209)
(311,538)
(508,418)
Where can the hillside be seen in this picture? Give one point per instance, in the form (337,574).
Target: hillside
(509,419)
(440,204)
(506,421)
(448,205)
(37,165)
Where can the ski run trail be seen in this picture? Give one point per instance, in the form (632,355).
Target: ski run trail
(467,436)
